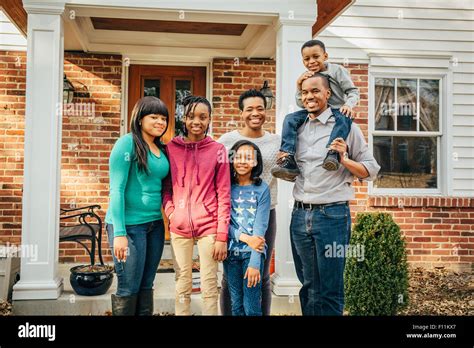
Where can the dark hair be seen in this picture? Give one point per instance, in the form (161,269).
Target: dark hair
(146,106)
(324,77)
(190,102)
(312,43)
(251,93)
(256,171)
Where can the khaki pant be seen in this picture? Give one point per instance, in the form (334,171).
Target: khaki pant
(183,265)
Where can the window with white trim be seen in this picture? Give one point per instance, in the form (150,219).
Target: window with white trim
(406,132)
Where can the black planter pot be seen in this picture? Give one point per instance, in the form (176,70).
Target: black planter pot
(91,283)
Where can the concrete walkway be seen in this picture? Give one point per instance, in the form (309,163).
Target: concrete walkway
(69,303)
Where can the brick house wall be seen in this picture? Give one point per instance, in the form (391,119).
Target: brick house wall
(230,78)
(12,115)
(86,143)
(87,140)
(438,231)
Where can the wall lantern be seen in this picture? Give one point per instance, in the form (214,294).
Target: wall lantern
(267,93)
(68,91)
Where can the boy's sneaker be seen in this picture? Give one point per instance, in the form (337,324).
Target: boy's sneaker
(286,169)
(331,162)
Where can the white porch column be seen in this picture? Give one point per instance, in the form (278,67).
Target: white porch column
(42,159)
(291,34)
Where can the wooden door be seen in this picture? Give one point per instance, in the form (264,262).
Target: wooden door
(171,84)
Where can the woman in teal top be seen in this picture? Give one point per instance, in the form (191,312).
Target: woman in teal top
(133,221)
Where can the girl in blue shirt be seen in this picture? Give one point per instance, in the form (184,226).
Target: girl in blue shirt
(250,200)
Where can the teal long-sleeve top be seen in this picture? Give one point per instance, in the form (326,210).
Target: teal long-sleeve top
(135,196)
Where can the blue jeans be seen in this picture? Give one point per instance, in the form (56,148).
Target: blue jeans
(244,300)
(145,243)
(270,234)
(296,119)
(313,233)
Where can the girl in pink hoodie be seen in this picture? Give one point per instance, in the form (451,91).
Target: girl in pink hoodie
(196,199)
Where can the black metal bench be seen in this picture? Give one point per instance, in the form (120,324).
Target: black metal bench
(87,226)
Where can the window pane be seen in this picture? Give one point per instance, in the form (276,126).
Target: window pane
(406,108)
(183,89)
(152,88)
(406,162)
(429,105)
(384,102)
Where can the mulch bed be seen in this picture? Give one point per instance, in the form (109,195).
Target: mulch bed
(5,308)
(440,292)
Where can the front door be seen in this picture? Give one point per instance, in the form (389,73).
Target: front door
(171,84)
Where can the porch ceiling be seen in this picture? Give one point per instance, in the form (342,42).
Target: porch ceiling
(160,33)
(159,26)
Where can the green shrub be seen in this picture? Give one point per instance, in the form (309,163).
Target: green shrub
(377,285)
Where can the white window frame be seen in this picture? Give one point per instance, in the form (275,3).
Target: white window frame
(442,160)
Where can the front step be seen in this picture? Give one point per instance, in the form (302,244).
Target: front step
(69,303)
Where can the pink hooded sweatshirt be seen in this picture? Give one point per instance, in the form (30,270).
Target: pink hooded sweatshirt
(197,191)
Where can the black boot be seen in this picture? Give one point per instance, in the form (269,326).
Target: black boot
(145,302)
(286,169)
(331,162)
(124,305)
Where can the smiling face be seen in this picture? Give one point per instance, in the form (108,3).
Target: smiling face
(315,94)
(154,125)
(244,160)
(197,120)
(314,58)
(253,113)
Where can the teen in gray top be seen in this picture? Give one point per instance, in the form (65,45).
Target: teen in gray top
(269,145)
(252,105)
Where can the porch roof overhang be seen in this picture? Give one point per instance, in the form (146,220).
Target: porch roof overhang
(169,29)
(169,33)
(17,14)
